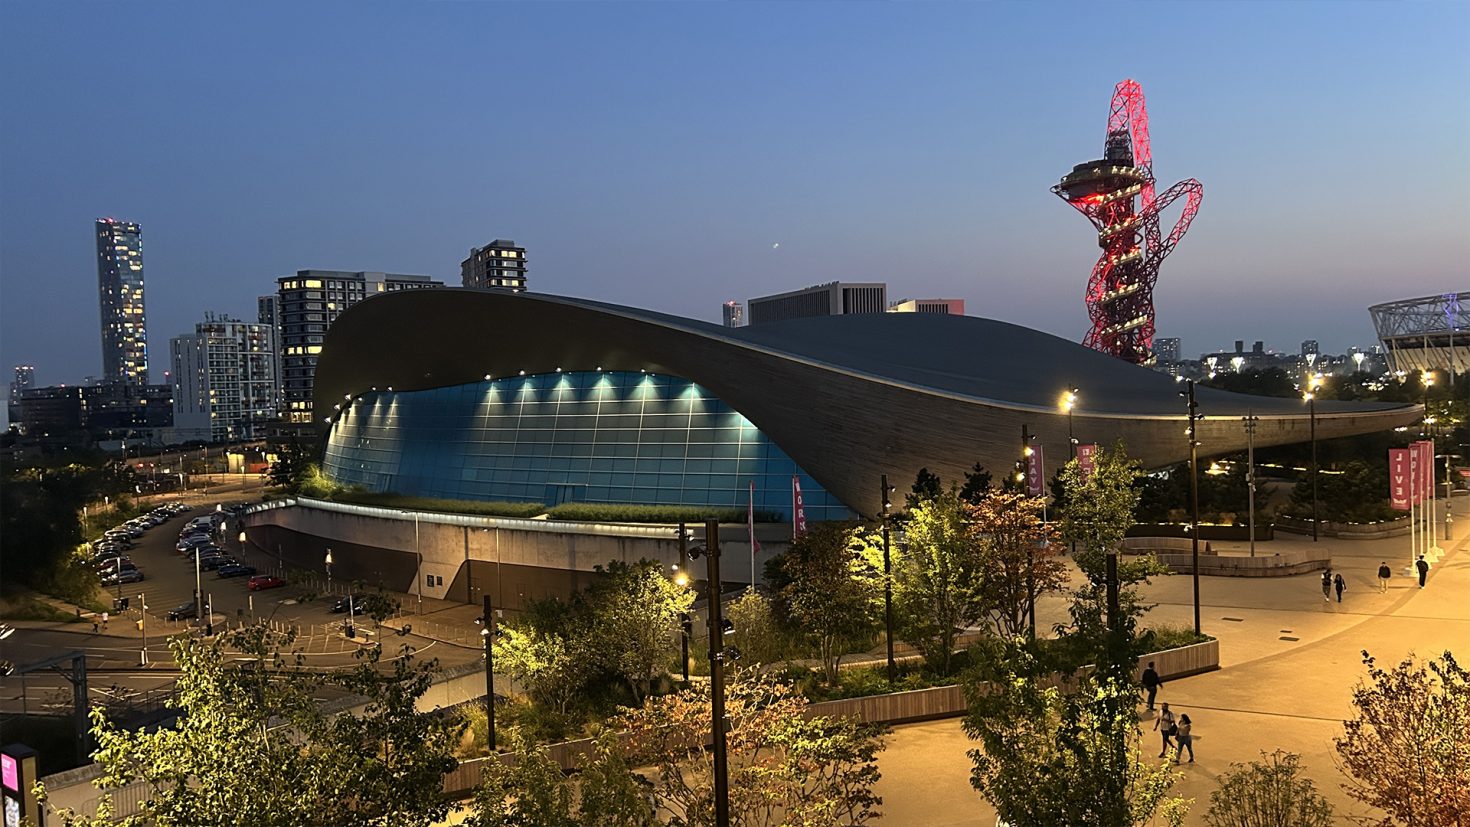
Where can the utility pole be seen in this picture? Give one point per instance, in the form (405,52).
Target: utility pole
(685,624)
(143,626)
(1025,479)
(1250,474)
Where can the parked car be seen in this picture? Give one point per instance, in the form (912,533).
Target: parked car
(235,570)
(210,562)
(264,581)
(126,576)
(116,564)
(183,612)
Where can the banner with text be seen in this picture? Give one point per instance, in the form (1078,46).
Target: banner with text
(1086,460)
(1398,478)
(798,509)
(1035,472)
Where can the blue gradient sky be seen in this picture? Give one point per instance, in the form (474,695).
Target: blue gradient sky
(652,154)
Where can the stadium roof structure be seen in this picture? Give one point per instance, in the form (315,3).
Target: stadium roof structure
(1427,333)
(847,397)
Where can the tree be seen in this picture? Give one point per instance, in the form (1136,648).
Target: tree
(634,618)
(1405,749)
(977,485)
(531,791)
(1063,754)
(290,465)
(1268,793)
(253,726)
(937,579)
(818,595)
(926,487)
(544,663)
(757,634)
(1018,560)
(785,767)
(1099,512)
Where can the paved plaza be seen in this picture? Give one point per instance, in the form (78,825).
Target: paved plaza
(1288,664)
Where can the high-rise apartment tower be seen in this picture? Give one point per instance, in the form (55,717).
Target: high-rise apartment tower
(308,303)
(733,312)
(498,264)
(224,380)
(120,295)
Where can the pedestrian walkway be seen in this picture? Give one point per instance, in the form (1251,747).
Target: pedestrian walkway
(1289,662)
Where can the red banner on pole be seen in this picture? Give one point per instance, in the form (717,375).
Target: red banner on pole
(1421,463)
(1398,479)
(798,509)
(1086,460)
(1034,472)
(1426,461)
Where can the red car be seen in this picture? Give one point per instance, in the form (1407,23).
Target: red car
(264,581)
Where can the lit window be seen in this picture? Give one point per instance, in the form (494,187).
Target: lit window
(313,283)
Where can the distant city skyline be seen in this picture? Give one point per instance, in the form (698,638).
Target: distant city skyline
(647,161)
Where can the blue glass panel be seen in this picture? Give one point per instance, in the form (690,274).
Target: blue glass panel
(594,436)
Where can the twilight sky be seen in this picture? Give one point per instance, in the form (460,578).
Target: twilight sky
(654,153)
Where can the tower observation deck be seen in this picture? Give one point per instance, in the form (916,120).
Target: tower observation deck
(1117,195)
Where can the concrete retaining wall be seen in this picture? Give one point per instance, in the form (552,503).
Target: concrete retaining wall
(460,558)
(1280,564)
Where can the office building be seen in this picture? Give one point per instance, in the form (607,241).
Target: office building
(461,394)
(943,307)
(1309,348)
(1167,350)
(25,377)
(224,380)
(833,299)
(734,313)
(307,304)
(120,296)
(499,264)
(79,415)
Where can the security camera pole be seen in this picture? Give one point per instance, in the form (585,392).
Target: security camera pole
(717,674)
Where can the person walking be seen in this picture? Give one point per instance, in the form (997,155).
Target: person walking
(1151,684)
(1165,724)
(1186,741)
(1423,567)
(1327,585)
(1338,584)
(1384,572)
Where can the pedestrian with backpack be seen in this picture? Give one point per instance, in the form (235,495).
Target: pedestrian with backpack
(1327,585)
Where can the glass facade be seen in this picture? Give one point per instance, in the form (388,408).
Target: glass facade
(591,436)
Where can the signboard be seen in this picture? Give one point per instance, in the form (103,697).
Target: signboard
(10,773)
(1398,478)
(1086,460)
(1034,472)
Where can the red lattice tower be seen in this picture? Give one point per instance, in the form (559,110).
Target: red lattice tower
(1120,298)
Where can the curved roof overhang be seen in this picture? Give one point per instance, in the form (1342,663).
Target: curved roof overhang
(847,397)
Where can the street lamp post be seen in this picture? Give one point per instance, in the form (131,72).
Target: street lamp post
(1194,496)
(686,625)
(717,656)
(487,630)
(1311,400)
(1250,475)
(1069,401)
(328,563)
(143,626)
(419,555)
(886,494)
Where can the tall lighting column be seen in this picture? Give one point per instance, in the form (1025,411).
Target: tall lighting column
(1311,399)
(1250,474)
(887,492)
(1194,495)
(717,655)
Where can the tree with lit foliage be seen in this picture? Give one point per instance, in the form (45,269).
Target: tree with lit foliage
(253,725)
(820,596)
(633,620)
(785,767)
(1063,753)
(1018,558)
(1405,749)
(1268,793)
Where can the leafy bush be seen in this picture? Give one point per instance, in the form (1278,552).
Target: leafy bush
(1160,638)
(636,513)
(389,499)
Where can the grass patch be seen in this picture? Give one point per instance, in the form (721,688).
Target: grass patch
(29,608)
(635,513)
(475,507)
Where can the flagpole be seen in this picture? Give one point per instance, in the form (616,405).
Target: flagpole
(750,523)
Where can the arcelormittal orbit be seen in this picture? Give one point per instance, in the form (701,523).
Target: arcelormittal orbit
(1120,298)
